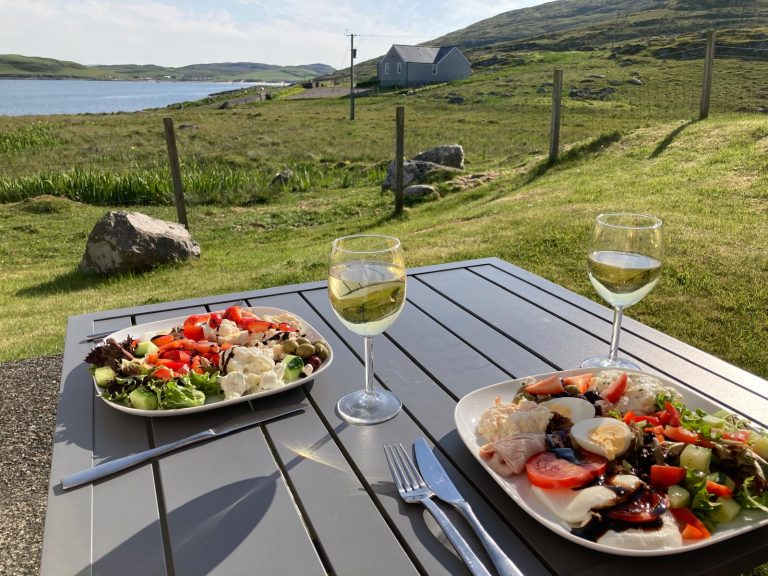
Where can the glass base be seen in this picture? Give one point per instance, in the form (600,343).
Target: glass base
(361,408)
(606,362)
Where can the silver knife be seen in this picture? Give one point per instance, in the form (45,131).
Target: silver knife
(227,427)
(437,479)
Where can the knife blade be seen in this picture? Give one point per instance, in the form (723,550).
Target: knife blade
(440,483)
(226,427)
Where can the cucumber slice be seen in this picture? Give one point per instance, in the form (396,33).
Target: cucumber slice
(760,447)
(103,375)
(293,366)
(144,348)
(678,496)
(143,399)
(696,457)
(728,510)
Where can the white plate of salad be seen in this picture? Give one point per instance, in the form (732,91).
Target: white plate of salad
(205,361)
(620,461)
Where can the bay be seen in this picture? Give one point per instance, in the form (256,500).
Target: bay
(31,97)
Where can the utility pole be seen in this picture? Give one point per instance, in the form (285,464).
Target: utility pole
(351,76)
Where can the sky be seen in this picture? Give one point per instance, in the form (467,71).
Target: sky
(181,32)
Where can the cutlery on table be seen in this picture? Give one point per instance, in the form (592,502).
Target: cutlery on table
(226,427)
(440,483)
(411,487)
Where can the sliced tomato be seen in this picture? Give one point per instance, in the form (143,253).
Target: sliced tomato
(551,385)
(193,332)
(740,436)
(172,364)
(616,389)
(181,356)
(234,314)
(674,414)
(546,470)
(719,489)
(687,518)
(630,418)
(581,382)
(663,417)
(163,372)
(680,434)
(663,476)
(257,325)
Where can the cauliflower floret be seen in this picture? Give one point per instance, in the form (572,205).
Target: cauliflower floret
(229,333)
(236,384)
(271,379)
(506,419)
(250,360)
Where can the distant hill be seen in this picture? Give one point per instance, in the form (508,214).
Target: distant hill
(603,24)
(14,65)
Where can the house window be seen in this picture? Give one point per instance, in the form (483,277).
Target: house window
(434,69)
(399,67)
(386,68)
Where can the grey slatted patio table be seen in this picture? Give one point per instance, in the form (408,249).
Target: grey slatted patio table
(312,495)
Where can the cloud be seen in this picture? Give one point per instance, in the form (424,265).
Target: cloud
(180,32)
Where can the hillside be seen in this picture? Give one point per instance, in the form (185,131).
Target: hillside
(17,66)
(586,25)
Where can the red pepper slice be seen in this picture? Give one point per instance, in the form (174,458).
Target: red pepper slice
(719,489)
(680,434)
(194,332)
(674,414)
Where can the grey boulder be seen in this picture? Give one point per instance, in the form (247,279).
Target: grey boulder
(448,155)
(418,171)
(419,193)
(130,241)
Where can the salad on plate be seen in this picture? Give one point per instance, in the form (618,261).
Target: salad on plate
(620,460)
(220,356)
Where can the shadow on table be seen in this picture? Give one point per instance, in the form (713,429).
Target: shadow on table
(235,509)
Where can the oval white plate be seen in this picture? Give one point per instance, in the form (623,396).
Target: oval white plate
(211,403)
(467,415)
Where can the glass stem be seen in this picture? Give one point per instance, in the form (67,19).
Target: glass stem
(618,314)
(368,365)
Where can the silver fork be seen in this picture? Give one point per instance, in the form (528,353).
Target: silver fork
(414,490)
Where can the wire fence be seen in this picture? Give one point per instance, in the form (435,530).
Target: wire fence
(249,154)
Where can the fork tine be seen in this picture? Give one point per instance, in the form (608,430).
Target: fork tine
(410,469)
(392,467)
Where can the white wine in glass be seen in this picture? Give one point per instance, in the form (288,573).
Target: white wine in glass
(366,287)
(624,261)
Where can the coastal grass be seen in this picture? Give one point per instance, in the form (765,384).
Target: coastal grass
(706,180)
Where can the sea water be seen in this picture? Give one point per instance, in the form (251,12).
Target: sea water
(27,97)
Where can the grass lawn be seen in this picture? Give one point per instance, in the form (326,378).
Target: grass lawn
(706,180)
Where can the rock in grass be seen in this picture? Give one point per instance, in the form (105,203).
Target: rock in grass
(130,241)
(417,172)
(447,155)
(419,193)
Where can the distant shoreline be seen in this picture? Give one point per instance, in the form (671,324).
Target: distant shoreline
(201,80)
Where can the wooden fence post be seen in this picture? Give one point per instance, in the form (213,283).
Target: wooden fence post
(706,88)
(554,128)
(399,152)
(173,160)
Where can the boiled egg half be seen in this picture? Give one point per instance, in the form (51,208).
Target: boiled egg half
(606,437)
(575,409)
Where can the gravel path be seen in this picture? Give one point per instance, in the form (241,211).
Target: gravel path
(28,395)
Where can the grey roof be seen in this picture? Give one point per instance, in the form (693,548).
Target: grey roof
(422,54)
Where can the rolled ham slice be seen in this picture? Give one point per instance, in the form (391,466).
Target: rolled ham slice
(509,455)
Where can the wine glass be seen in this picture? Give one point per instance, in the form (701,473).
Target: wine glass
(366,286)
(625,256)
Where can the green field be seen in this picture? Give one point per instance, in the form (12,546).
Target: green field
(634,151)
